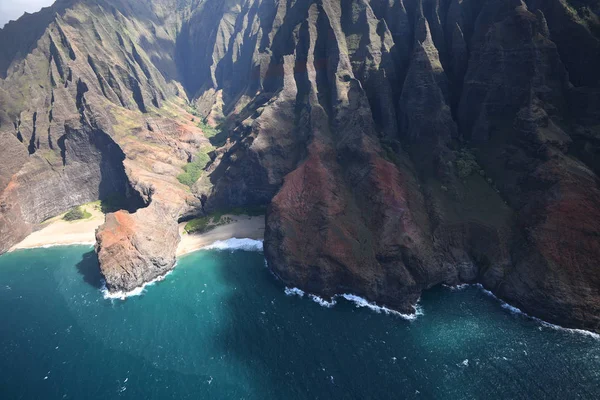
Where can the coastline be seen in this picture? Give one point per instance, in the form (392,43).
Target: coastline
(241,226)
(57,232)
(243,231)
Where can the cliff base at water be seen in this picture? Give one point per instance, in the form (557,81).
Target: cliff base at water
(398,144)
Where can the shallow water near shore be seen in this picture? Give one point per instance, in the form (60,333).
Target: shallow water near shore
(220,326)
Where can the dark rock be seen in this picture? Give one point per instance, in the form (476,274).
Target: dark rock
(401,144)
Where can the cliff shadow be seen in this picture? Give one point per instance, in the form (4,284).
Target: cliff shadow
(299,349)
(296,349)
(89,270)
(115,190)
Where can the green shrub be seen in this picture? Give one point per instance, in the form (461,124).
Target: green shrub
(252,211)
(193,170)
(197,225)
(76,213)
(206,223)
(192,110)
(466,163)
(208,130)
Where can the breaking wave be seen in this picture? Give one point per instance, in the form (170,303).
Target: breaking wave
(322,302)
(294,292)
(358,301)
(138,291)
(229,244)
(361,302)
(236,244)
(91,244)
(49,245)
(457,288)
(517,311)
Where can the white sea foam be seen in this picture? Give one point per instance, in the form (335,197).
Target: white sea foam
(457,287)
(138,291)
(229,244)
(49,245)
(236,244)
(357,300)
(321,301)
(512,309)
(294,292)
(361,302)
(515,310)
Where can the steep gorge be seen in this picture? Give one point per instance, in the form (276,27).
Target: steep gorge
(400,144)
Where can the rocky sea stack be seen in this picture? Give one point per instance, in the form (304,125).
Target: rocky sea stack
(398,144)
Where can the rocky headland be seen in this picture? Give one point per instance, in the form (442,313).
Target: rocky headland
(398,144)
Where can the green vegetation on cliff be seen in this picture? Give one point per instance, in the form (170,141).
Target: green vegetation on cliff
(76,213)
(206,223)
(466,163)
(208,130)
(193,170)
(198,225)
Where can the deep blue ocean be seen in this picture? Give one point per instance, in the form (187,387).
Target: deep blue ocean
(221,326)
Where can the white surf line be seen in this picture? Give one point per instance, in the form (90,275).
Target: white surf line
(357,300)
(220,245)
(517,311)
(235,244)
(138,291)
(322,302)
(49,245)
(361,302)
(45,246)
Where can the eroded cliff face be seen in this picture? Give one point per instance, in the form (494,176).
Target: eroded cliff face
(134,249)
(91,110)
(401,144)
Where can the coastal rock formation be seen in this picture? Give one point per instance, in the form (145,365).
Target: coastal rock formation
(399,144)
(128,250)
(87,115)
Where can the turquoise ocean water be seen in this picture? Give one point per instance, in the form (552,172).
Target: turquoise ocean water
(222,327)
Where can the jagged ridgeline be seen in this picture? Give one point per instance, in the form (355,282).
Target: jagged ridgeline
(399,144)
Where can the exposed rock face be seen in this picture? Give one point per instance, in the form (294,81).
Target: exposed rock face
(90,111)
(136,248)
(91,168)
(401,144)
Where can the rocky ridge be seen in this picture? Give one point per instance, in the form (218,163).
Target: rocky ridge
(401,144)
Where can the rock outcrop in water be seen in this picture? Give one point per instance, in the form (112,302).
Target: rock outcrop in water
(401,144)
(134,249)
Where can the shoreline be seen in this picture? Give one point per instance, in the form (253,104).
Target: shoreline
(241,226)
(57,232)
(241,232)
(228,244)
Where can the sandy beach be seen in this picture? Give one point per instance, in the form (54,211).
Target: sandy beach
(57,232)
(241,226)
